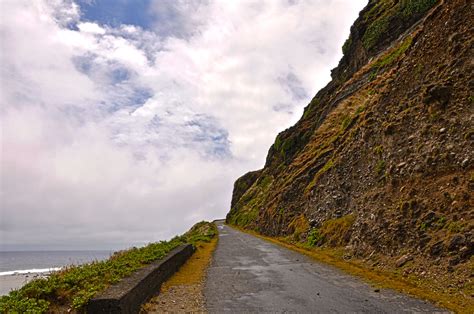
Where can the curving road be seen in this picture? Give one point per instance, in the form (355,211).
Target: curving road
(248,274)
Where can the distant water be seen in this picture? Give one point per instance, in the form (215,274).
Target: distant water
(45,261)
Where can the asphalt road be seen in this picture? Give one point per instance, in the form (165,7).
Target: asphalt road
(248,274)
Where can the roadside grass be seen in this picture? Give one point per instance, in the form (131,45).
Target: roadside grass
(74,286)
(376,277)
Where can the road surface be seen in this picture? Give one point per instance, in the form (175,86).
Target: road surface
(248,274)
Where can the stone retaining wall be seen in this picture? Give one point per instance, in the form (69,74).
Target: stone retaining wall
(130,293)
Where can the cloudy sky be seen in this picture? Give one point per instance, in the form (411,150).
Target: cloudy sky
(125,122)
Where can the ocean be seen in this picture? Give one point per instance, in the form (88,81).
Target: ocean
(19,267)
(44,261)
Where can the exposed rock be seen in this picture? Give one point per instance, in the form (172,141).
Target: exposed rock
(454,260)
(466,252)
(423,242)
(437,94)
(403,260)
(456,241)
(437,248)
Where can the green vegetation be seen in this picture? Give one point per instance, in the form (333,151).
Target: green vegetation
(380,167)
(308,110)
(244,216)
(244,212)
(442,220)
(327,166)
(287,148)
(347,46)
(359,110)
(389,58)
(265,181)
(76,285)
(201,232)
(374,32)
(346,122)
(382,14)
(377,9)
(335,230)
(348,119)
(332,232)
(300,225)
(415,7)
(454,227)
(288,143)
(321,171)
(378,150)
(373,75)
(314,237)
(423,226)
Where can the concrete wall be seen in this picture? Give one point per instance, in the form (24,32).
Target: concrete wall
(130,293)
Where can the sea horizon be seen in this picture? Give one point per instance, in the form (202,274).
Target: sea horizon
(42,261)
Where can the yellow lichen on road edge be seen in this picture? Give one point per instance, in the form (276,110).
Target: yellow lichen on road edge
(375,277)
(194,270)
(183,291)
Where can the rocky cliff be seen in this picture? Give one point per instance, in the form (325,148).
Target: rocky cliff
(381,164)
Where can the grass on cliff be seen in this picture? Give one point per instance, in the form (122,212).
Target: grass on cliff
(332,231)
(382,15)
(74,286)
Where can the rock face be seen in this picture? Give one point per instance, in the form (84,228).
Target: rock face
(381,161)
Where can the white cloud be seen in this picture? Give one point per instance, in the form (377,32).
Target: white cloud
(93,28)
(119,136)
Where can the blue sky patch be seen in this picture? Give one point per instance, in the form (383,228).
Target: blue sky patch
(117,12)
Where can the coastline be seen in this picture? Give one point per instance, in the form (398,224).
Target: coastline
(17,268)
(16,281)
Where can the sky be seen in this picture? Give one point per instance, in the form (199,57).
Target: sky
(125,122)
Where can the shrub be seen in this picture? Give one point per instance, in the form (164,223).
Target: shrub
(314,237)
(409,8)
(374,32)
(347,46)
(404,10)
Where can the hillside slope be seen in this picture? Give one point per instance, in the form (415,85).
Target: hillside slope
(381,163)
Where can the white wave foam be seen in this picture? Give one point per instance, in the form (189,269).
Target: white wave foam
(29,271)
